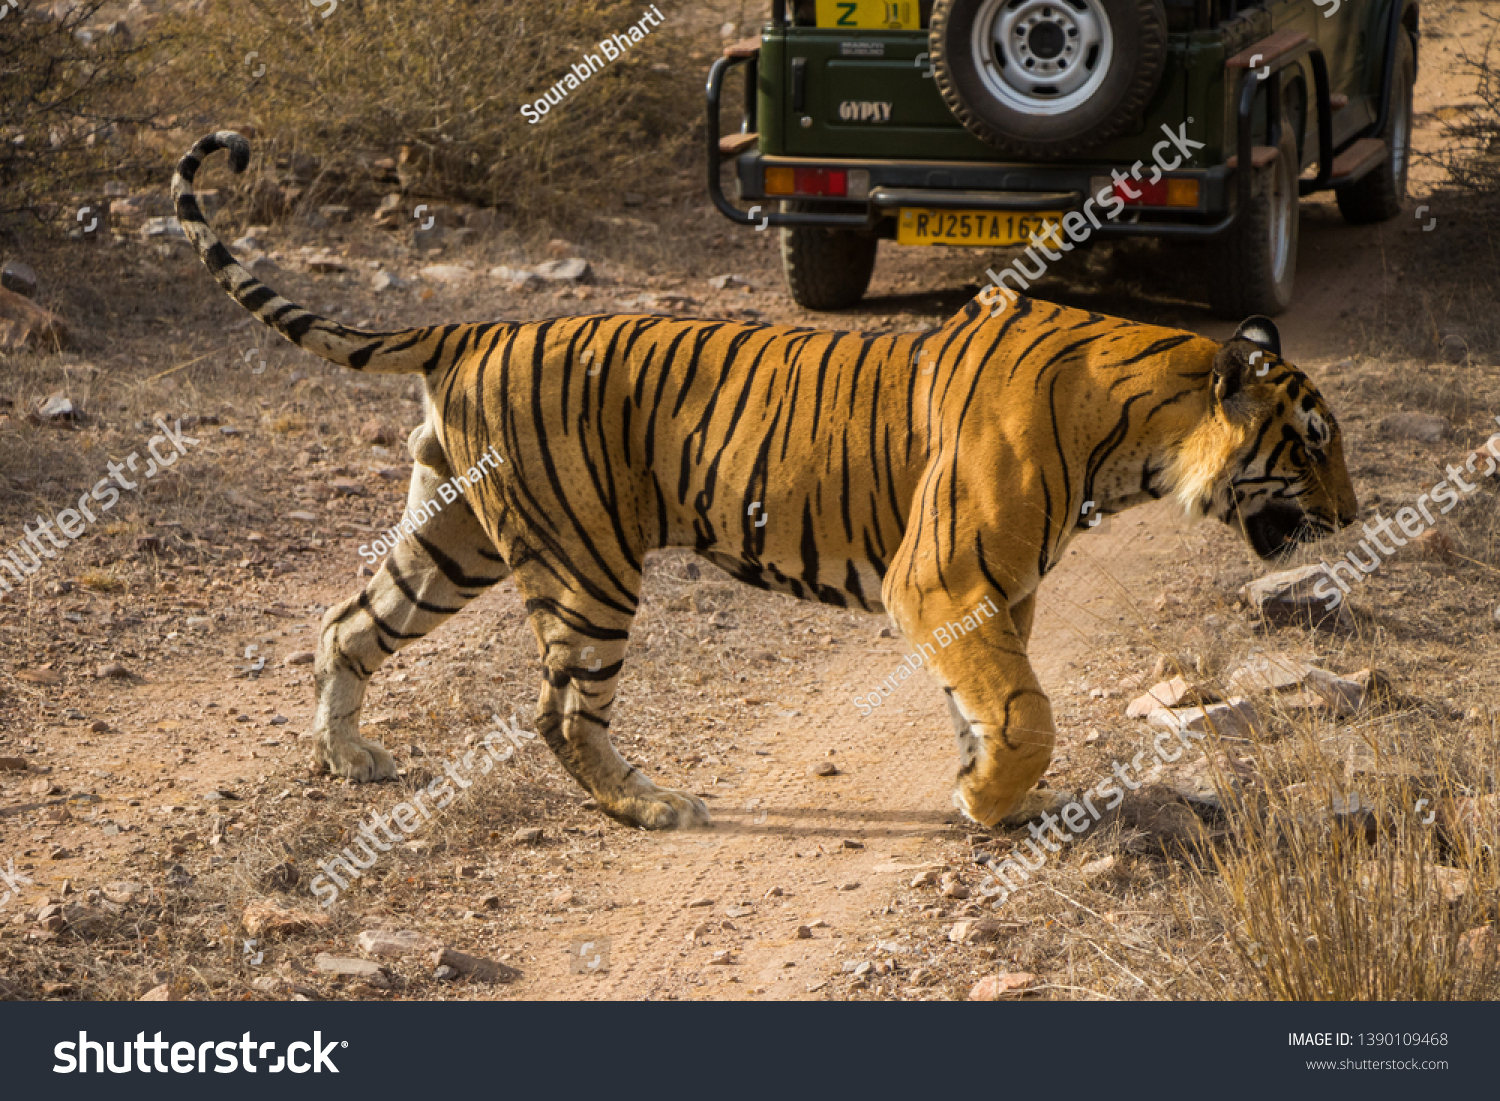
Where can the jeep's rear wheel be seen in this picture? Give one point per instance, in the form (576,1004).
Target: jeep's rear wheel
(1255,261)
(1378,196)
(1047,78)
(826,269)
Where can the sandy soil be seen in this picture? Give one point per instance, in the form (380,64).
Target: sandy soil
(184,773)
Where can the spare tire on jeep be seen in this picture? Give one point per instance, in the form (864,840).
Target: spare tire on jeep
(1047,78)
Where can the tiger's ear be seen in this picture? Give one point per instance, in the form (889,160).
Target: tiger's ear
(1231,367)
(1259,330)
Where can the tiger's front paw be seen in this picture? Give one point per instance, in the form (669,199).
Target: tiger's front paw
(660,810)
(355,759)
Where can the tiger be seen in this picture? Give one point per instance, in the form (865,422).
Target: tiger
(923,475)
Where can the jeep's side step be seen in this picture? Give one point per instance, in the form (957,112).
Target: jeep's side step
(1359,160)
(732,145)
(1260,156)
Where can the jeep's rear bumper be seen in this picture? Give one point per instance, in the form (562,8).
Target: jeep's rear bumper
(884,187)
(887,185)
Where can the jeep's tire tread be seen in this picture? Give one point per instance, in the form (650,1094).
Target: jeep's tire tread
(1244,279)
(826,269)
(1139,28)
(1378,196)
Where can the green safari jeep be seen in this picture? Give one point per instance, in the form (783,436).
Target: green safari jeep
(994,123)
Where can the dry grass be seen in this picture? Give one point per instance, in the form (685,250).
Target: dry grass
(437,85)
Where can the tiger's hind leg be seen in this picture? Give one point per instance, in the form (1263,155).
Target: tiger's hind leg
(427,578)
(582,642)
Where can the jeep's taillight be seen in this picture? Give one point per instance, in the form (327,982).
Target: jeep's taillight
(812,182)
(1164,192)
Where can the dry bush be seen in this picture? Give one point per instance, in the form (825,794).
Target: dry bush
(67,88)
(438,85)
(1472,155)
(1336,885)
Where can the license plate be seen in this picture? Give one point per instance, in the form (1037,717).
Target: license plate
(870,15)
(992,228)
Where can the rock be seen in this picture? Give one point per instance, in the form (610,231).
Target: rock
(365,970)
(1169,693)
(1327,693)
(1299,597)
(263,267)
(113,669)
(430,237)
(824,768)
(12,764)
(564,897)
(325,263)
(572,270)
(1097,869)
(1268,672)
(390,944)
(48,678)
(480,970)
(1352,755)
(18,277)
(1448,884)
(726,282)
(347,487)
(385,281)
(249,243)
(56,407)
(928,878)
(162,993)
(528,836)
(852,885)
(738,911)
(1007,984)
(1454,348)
(335,213)
(983,931)
(952,887)
(123,892)
(803,932)
(850,843)
(1194,781)
(697,902)
(377,431)
(1424,427)
(301,657)
(168,228)
(446,273)
(265,917)
(50,918)
(25,326)
(517,279)
(1235,718)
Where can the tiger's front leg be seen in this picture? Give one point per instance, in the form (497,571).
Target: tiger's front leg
(975,645)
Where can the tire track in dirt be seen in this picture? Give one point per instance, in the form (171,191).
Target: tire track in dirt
(779,827)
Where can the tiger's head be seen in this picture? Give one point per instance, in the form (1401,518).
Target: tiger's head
(1269,457)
